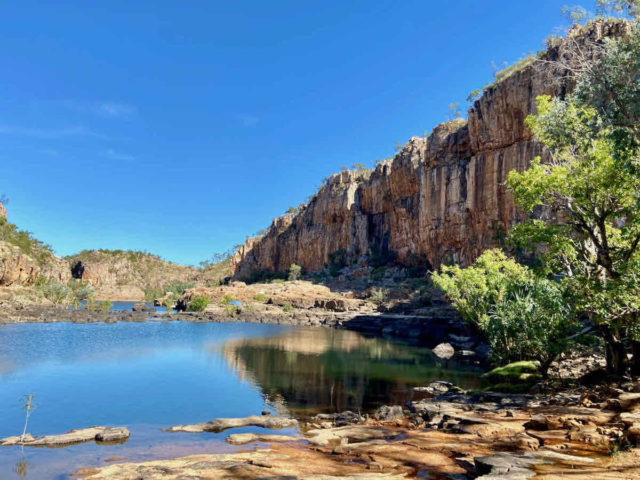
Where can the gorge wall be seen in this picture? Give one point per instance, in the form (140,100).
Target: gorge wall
(439,199)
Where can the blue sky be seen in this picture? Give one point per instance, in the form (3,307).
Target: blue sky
(181,127)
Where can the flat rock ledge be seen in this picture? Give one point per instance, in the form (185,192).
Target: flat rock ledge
(260,464)
(510,466)
(244,438)
(221,424)
(72,437)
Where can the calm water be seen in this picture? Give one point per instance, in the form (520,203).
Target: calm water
(149,376)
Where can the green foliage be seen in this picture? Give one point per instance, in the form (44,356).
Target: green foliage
(295,271)
(592,181)
(26,242)
(231,310)
(359,167)
(54,291)
(292,210)
(476,289)
(378,273)
(474,95)
(378,295)
(226,299)
(502,74)
(151,293)
(260,297)
(517,372)
(169,302)
(198,303)
(523,317)
(79,292)
(533,320)
(177,287)
(287,308)
(277,280)
(454,112)
(102,307)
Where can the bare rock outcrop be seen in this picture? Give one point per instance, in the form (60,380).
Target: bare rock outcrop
(441,198)
(72,437)
(221,424)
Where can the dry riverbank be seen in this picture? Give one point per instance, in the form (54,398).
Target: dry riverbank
(448,436)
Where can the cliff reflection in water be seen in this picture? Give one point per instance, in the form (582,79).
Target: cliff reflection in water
(313,370)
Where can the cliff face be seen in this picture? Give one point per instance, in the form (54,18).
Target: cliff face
(439,199)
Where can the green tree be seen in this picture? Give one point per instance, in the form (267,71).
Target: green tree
(295,271)
(199,303)
(454,112)
(522,317)
(591,184)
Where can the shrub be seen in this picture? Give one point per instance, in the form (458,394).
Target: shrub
(79,292)
(231,310)
(177,287)
(260,297)
(54,291)
(295,271)
(377,273)
(277,280)
(169,302)
(226,299)
(199,303)
(287,307)
(523,317)
(378,295)
(151,293)
(104,306)
(29,245)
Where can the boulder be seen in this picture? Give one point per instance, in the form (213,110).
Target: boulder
(142,307)
(444,351)
(629,402)
(388,413)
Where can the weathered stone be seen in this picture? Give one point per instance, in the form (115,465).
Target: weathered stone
(348,434)
(388,413)
(444,350)
(244,438)
(221,424)
(142,307)
(629,401)
(98,434)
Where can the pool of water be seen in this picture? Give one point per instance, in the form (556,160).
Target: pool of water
(149,376)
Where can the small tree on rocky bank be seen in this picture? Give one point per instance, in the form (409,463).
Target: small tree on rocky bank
(295,271)
(522,316)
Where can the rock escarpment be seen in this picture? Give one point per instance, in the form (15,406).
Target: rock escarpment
(440,199)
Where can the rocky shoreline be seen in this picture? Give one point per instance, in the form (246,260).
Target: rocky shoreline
(449,435)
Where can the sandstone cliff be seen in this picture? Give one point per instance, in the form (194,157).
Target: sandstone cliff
(441,198)
(24,258)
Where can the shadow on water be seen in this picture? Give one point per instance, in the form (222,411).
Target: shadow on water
(312,370)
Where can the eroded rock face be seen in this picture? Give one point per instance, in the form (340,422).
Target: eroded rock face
(18,268)
(441,198)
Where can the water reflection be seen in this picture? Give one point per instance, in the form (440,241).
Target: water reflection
(149,376)
(315,369)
